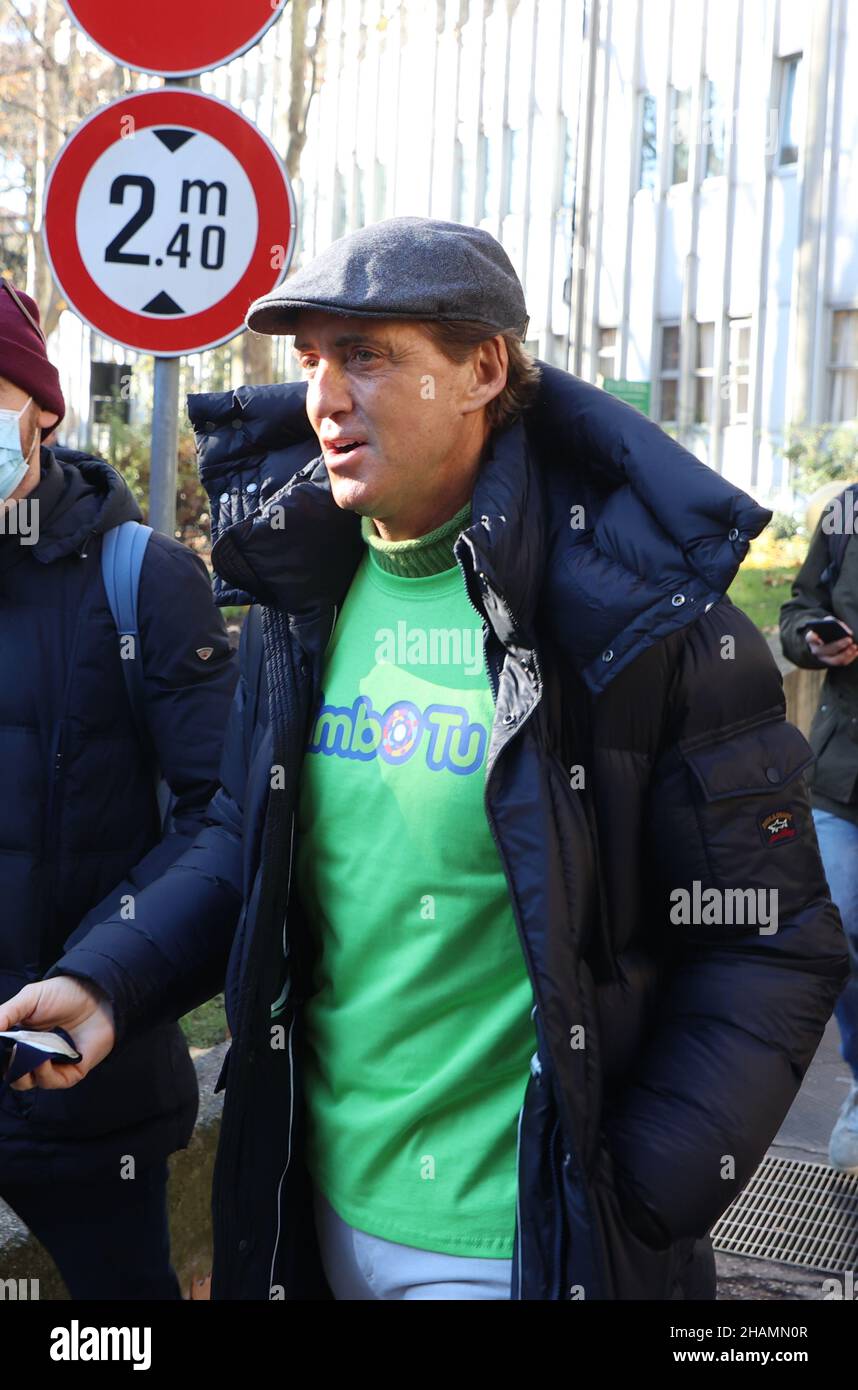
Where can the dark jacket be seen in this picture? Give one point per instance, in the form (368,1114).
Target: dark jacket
(605,648)
(79,825)
(834,731)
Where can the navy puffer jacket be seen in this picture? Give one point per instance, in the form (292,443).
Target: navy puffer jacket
(668,1053)
(79,826)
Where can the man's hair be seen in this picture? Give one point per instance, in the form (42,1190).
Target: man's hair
(456,339)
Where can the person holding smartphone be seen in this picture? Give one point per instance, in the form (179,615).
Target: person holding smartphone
(81,829)
(817,630)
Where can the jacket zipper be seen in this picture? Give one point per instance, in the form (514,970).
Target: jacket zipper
(51,820)
(283,994)
(495,685)
(517,1293)
(288,1161)
(56,773)
(558,1189)
(536,1069)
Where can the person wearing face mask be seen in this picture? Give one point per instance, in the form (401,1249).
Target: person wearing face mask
(80,828)
(14,463)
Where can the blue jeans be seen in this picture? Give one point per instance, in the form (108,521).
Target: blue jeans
(359,1266)
(838,843)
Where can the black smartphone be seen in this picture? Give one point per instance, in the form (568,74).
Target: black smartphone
(826,629)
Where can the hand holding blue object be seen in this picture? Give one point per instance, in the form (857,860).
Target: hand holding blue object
(23,1049)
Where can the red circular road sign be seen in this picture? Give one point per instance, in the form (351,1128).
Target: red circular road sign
(175,38)
(166,214)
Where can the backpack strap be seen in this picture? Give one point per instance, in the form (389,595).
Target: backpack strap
(122,552)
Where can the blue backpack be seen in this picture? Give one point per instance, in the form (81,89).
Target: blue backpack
(122,551)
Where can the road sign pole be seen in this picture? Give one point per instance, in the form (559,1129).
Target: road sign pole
(161,241)
(163,465)
(165,445)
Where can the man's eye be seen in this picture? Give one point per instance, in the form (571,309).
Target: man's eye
(368,353)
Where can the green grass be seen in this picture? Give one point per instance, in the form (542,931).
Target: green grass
(205,1026)
(760,592)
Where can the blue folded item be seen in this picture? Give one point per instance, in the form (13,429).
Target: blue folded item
(27,1049)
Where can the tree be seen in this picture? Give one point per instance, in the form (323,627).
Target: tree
(305,78)
(49,81)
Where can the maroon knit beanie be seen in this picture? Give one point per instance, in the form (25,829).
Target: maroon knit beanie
(24,353)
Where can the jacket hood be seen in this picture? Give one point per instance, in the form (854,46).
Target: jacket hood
(583,499)
(79,496)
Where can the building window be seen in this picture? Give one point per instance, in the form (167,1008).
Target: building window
(790,110)
(704,369)
(109,391)
(714,136)
(359,197)
(739,370)
(488,175)
(379,192)
(680,116)
(668,376)
(339,210)
(649,141)
(606,355)
(567,195)
(516,170)
(844,365)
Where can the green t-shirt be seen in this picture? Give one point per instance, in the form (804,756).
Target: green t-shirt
(420,1031)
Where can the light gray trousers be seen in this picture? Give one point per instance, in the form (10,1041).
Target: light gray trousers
(360,1266)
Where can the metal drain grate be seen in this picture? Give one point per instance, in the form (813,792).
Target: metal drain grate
(799,1213)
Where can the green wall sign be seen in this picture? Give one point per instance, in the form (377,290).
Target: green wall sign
(636,393)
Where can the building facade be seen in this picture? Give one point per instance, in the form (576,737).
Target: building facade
(673,179)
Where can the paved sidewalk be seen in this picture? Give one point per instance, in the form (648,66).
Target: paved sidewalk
(803,1136)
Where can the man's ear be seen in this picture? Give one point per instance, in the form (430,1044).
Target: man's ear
(48,417)
(491,371)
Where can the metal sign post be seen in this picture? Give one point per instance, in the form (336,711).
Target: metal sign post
(167,212)
(164,454)
(165,445)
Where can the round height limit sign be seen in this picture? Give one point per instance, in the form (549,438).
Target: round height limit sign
(166,214)
(175,38)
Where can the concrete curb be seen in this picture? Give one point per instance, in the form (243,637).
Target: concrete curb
(23,1259)
(801,687)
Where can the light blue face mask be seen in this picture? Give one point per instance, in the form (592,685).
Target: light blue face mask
(13,464)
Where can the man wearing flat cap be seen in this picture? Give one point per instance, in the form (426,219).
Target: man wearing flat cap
(80,828)
(513,861)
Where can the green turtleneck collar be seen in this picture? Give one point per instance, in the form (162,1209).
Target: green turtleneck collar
(425,555)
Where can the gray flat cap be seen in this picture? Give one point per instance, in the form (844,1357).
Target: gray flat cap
(402,268)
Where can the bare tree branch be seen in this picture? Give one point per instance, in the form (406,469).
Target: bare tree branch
(30,111)
(49,58)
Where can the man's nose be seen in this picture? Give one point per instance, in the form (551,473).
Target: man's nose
(328,391)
